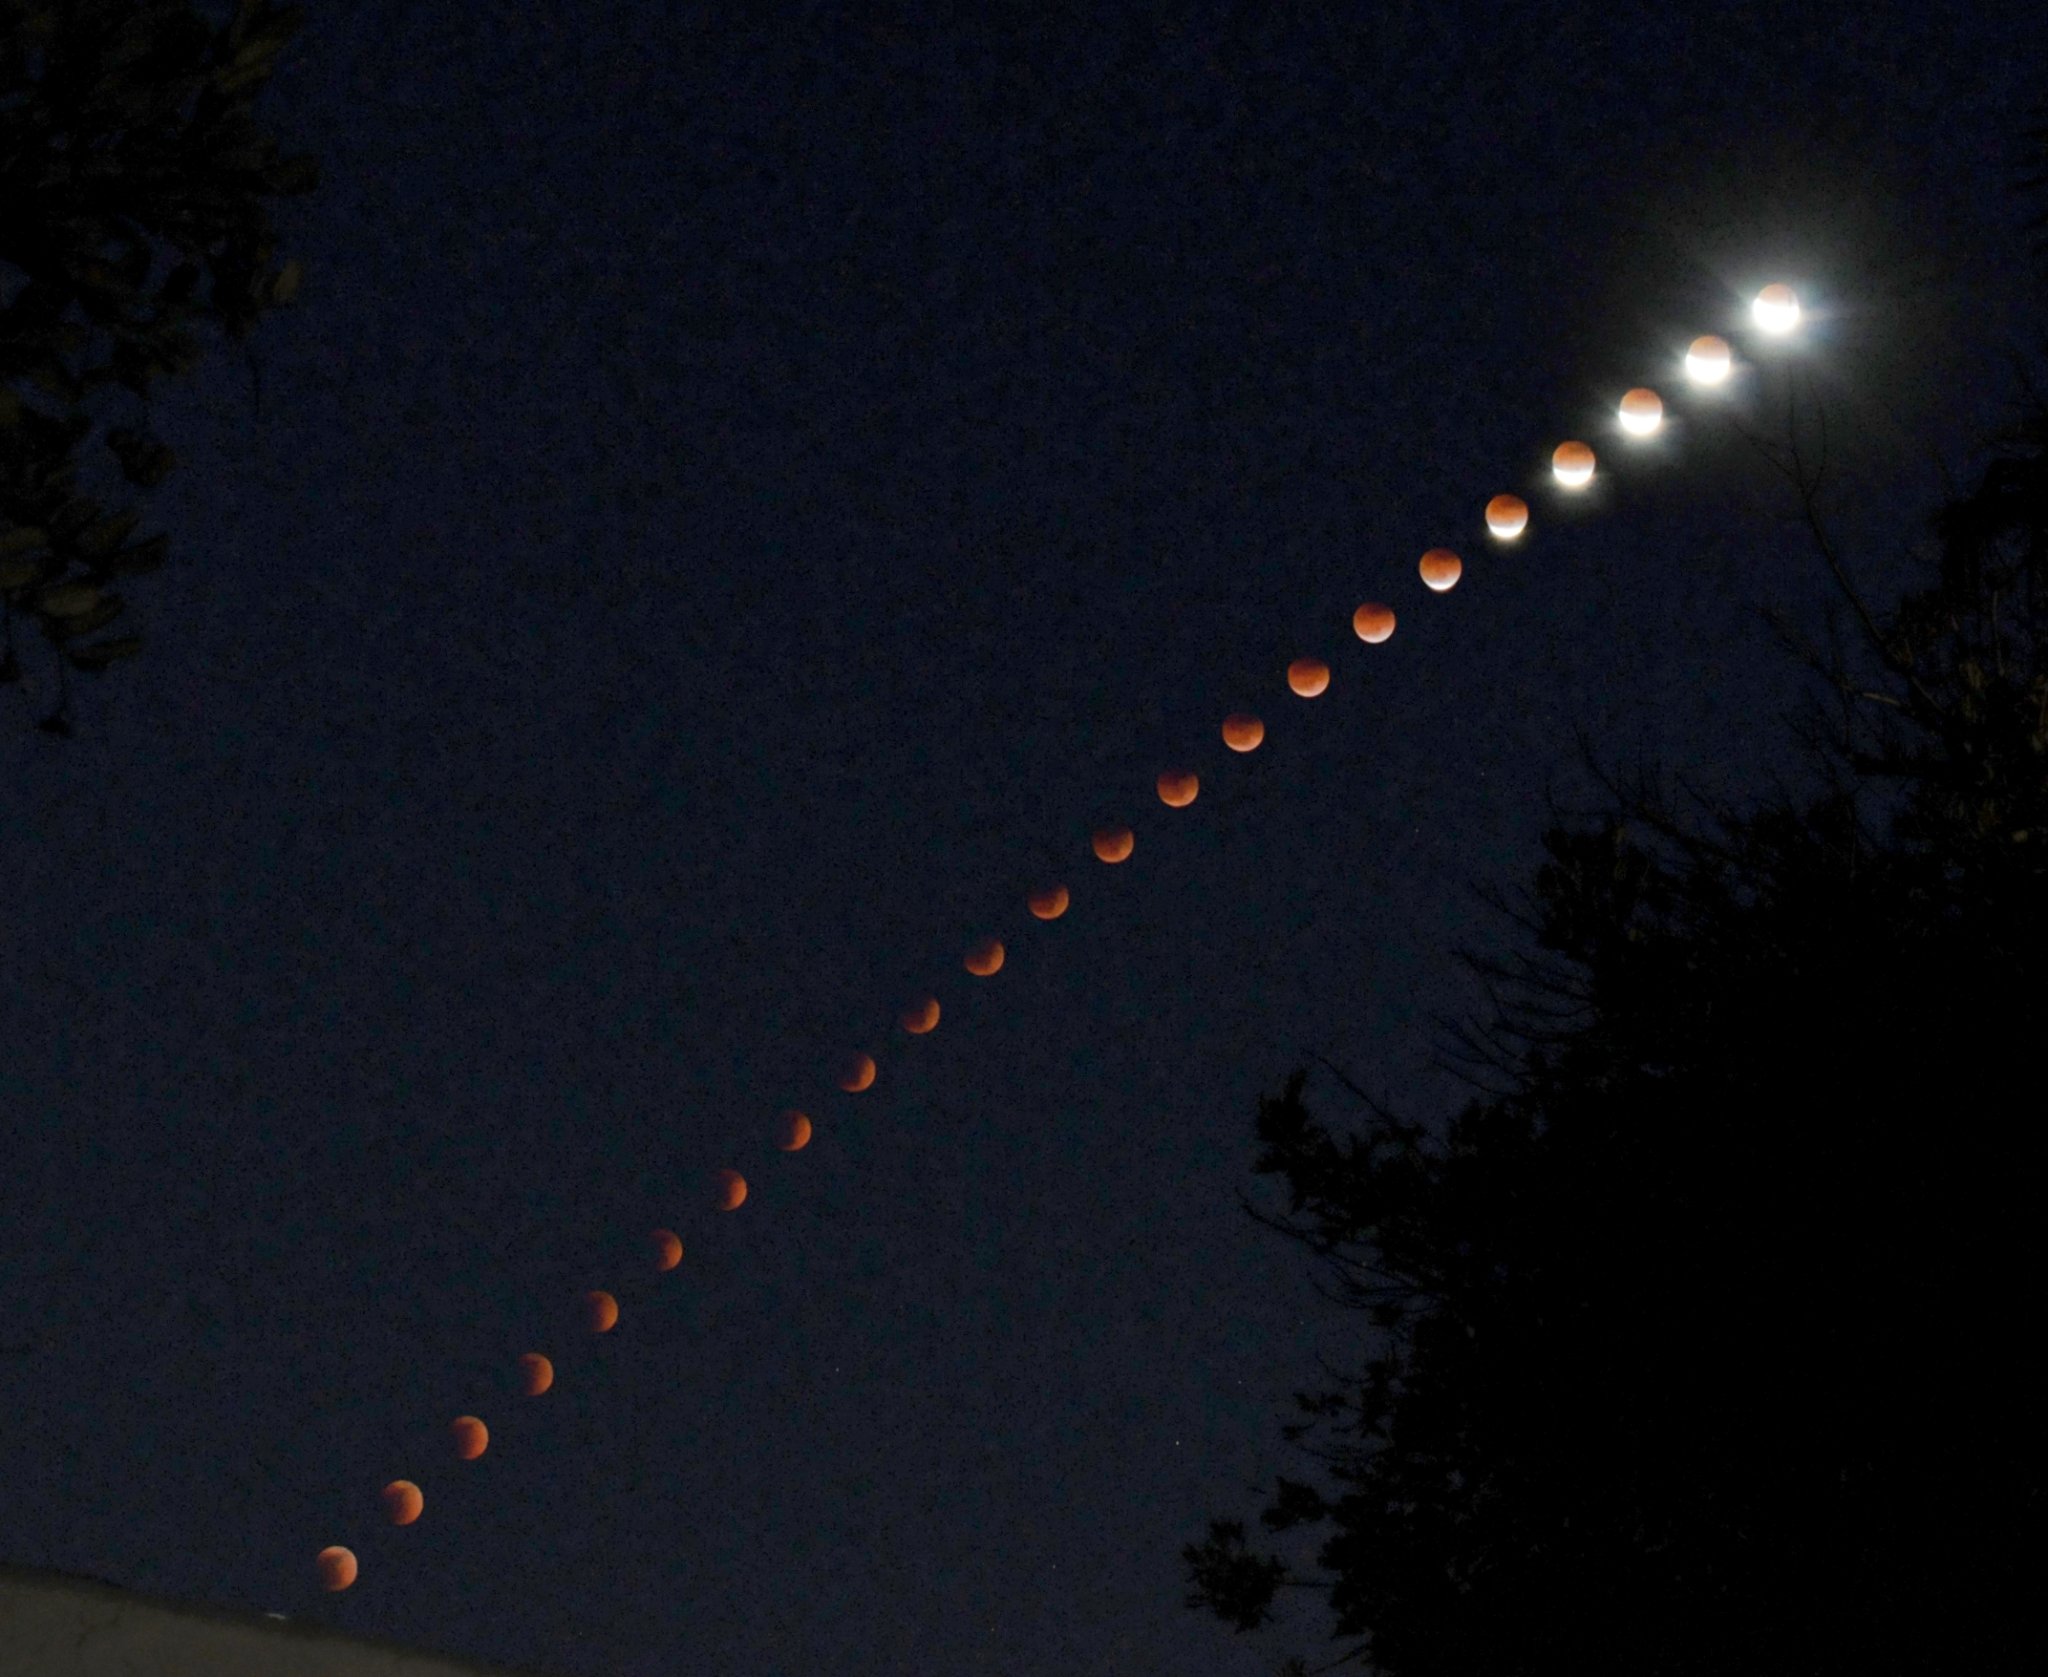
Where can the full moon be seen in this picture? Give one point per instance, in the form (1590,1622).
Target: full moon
(920,1016)
(1373,623)
(600,1311)
(471,1437)
(337,1567)
(1243,733)
(1309,677)
(1707,361)
(728,1190)
(1507,516)
(1440,569)
(1572,465)
(1114,844)
(667,1247)
(793,1132)
(856,1072)
(1642,411)
(402,1502)
(1776,309)
(536,1374)
(985,959)
(1177,788)
(1049,903)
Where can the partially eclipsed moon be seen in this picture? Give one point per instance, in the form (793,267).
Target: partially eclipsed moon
(1372,623)
(1708,360)
(921,1016)
(1114,844)
(1178,788)
(1776,309)
(985,959)
(1243,733)
(1507,516)
(856,1072)
(1049,903)
(402,1502)
(1440,569)
(666,1247)
(1642,411)
(337,1568)
(1309,677)
(793,1133)
(471,1437)
(1572,465)
(536,1374)
(600,1311)
(728,1190)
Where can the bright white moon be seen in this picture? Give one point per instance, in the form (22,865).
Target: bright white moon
(1776,309)
(1707,361)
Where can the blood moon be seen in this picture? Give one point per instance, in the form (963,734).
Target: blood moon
(665,1246)
(536,1374)
(337,1567)
(1373,623)
(471,1437)
(920,1016)
(1050,902)
(1309,677)
(1178,788)
(793,1130)
(856,1072)
(728,1190)
(1242,732)
(985,959)
(403,1502)
(1507,516)
(1114,844)
(1572,464)
(1440,569)
(600,1311)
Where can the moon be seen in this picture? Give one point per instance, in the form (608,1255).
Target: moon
(1178,788)
(920,1016)
(471,1437)
(793,1131)
(1243,733)
(1776,309)
(1049,902)
(1309,677)
(402,1502)
(1642,411)
(1507,516)
(728,1190)
(1707,360)
(536,1374)
(337,1567)
(600,1311)
(1572,465)
(666,1246)
(856,1072)
(985,959)
(1372,623)
(1114,844)
(1440,569)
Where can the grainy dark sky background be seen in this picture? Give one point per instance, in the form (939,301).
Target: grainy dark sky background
(742,493)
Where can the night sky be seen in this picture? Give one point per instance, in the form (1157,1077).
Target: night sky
(735,504)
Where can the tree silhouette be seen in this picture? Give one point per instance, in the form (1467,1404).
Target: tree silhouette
(131,171)
(1701,1340)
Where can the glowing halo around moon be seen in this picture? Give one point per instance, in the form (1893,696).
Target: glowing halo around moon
(1572,465)
(793,1131)
(600,1311)
(1373,623)
(1507,516)
(728,1190)
(1641,411)
(856,1072)
(1707,360)
(1440,569)
(1113,844)
(1775,310)
(536,1374)
(1049,903)
(1309,677)
(470,1437)
(1178,788)
(337,1567)
(920,1016)
(666,1248)
(985,959)
(402,1502)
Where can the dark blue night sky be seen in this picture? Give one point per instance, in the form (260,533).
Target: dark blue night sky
(742,493)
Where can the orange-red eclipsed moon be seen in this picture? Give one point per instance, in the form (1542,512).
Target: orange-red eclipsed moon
(1309,677)
(600,1311)
(920,1016)
(1243,733)
(1372,623)
(471,1437)
(985,959)
(1441,569)
(1507,516)
(1573,465)
(728,1190)
(1642,411)
(1049,903)
(337,1567)
(793,1132)
(665,1247)
(536,1374)
(1114,844)
(402,1502)
(856,1072)
(1178,788)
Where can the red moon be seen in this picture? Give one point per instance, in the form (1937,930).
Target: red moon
(986,958)
(793,1133)
(1050,903)
(1308,677)
(666,1247)
(471,1437)
(1372,623)
(1507,516)
(402,1502)
(729,1190)
(536,1374)
(600,1311)
(856,1072)
(1243,733)
(337,1568)
(1178,788)
(1114,844)
(921,1016)
(1573,465)
(1441,569)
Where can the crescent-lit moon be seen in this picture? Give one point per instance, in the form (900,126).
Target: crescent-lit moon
(985,959)
(337,1567)
(856,1072)
(1507,516)
(472,1438)
(1049,902)
(666,1248)
(1178,788)
(1440,569)
(1243,733)
(1707,360)
(793,1130)
(1776,309)
(1641,411)
(1373,623)
(920,1016)
(403,1502)
(1572,465)
(728,1190)
(1114,844)
(536,1374)
(600,1311)
(1309,677)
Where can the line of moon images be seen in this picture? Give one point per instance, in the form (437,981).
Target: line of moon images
(1639,414)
